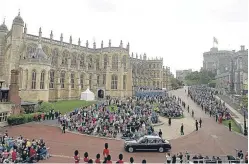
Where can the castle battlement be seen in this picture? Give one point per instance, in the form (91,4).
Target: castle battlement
(79,47)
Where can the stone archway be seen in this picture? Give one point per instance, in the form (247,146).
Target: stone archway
(101,93)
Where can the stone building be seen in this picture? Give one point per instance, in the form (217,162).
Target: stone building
(149,72)
(181,74)
(231,68)
(52,70)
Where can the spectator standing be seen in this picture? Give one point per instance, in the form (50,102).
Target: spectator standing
(160,133)
(182,129)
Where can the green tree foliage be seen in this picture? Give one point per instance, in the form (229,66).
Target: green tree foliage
(202,77)
(175,84)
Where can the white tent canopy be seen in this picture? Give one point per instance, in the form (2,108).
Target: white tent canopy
(87,95)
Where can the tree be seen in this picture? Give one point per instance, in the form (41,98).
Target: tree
(175,83)
(202,77)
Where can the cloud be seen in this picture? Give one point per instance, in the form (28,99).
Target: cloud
(102,5)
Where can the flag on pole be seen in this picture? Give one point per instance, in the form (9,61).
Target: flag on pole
(215,40)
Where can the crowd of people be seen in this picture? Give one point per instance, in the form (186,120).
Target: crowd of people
(112,118)
(170,107)
(21,150)
(204,96)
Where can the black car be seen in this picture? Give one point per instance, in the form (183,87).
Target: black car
(147,143)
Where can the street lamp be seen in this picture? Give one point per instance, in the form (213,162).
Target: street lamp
(245,128)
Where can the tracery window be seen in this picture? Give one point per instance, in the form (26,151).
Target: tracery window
(62,79)
(90,81)
(72,80)
(97,64)
(104,79)
(54,57)
(124,62)
(82,81)
(105,61)
(114,82)
(74,61)
(90,63)
(98,77)
(82,61)
(3,116)
(64,58)
(124,81)
(158,84)
(42,80)
(51,80)
(33,84)
(115,62)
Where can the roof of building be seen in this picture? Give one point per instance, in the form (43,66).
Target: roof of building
(18,19)
(39,53)
(3,27)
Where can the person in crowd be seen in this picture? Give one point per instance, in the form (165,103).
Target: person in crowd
(182,129)
(230,126)
(200,122)
(196,125)
(106,150)
(143,161)
(168,158)
(97,160)
(108,159)
(131,160)
(86,159)
(76,156)
(160,133)
(120,158)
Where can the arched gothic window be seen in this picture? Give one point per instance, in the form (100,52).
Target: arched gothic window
(82,61)
(90,81)
(104,79)
(82,81)
(158,84)
(42,80)
(124,62)
(74,61)
(62,79)
(90,63)
(33,83)
(72,80)
(114,82)
(54,57)
(64,58)
(97,64)
(98,77)
(51,80)
(105,61)
(115,61)
(124,82)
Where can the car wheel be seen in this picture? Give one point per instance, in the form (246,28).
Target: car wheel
(130,150)
(161,150)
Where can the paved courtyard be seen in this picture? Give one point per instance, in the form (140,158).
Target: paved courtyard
(212,139)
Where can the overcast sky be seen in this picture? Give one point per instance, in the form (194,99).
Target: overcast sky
(177,30)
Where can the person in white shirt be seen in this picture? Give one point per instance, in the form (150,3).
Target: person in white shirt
(168,158)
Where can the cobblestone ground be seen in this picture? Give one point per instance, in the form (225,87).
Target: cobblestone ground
(211,139)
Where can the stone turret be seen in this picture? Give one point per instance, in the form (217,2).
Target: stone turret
(51,35)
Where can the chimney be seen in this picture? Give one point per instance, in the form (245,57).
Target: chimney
(14,92)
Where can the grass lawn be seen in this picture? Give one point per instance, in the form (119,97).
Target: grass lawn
(234,126)
(65,105)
